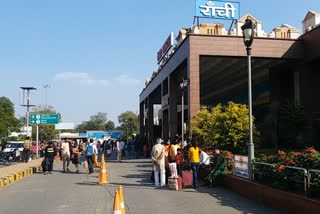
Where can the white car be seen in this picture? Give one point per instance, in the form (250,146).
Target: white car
(13,145)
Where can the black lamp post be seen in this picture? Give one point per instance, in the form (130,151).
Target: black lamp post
(248,34)
(183,85)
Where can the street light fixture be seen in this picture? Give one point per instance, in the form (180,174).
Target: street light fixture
(183,85)
(248,34)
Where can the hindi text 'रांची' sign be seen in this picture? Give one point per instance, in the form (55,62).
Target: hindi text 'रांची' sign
(165,47)
(44,119)
(241,166)
(217,9)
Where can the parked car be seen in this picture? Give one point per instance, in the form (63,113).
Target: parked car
(13,145)
(13,151)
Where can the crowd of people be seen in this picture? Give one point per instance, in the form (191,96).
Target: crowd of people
(79,153)
(163,154)
(185,156)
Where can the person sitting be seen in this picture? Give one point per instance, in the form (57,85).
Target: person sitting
(218,167)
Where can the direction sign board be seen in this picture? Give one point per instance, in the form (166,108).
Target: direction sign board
(44,119)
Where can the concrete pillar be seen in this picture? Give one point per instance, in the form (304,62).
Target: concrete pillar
(172,107)
(150,122)
(296,83)
(193,70)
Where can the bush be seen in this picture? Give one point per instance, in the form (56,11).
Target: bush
(289,179)
(223,127)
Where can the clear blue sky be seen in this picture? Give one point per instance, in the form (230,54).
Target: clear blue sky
(97,54)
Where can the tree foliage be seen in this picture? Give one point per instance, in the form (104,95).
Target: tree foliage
(46,132)
(223,127)
(8,121)
(128,123)
(98,121)
(293,126)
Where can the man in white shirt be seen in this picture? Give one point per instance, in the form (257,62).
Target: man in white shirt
(119,150)
(65,152)
(204,158)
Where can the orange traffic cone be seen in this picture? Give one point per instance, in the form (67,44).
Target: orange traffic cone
(123,209)
(95,161)
(103,172)
(116,204)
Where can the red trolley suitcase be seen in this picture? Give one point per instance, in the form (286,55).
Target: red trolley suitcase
(179,179)
(187,178)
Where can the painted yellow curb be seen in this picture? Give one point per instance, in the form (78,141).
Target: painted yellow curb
(7,181)
(12,179)
(21,175)
(17,176)
(1,184)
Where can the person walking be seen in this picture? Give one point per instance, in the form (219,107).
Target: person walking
(91,149)
(194,159)
(158,158)
(50,153)
(119,151)
(132,146)
(75,157)
(123,148)
(65,152)
(27,145)
(145,150)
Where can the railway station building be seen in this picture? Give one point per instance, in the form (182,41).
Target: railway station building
(285,67)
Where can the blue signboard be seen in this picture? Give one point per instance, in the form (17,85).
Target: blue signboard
(101,134)
(217,9)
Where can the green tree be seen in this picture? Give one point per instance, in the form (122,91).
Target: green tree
(293,126)
(8,121)
(46,132)
(128,124)
(98,121)
(223,127)
(110,125)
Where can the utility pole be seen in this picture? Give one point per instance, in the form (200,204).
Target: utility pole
(46,86)
(28,104)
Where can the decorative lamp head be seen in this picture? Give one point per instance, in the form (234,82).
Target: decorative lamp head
(248,32)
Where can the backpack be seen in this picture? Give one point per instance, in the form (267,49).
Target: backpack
(89,150)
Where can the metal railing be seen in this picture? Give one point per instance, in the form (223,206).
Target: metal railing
(306,179)
(309,175)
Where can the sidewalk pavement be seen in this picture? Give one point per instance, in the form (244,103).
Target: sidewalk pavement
(13,169)
(79,193)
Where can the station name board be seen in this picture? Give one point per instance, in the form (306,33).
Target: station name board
(165,47)
(218,9)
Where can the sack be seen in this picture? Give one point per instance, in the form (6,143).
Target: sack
(173,183)
(187,178)
(173,170)
(85,165)
(89,150)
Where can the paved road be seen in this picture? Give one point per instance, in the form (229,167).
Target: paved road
(79,193)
